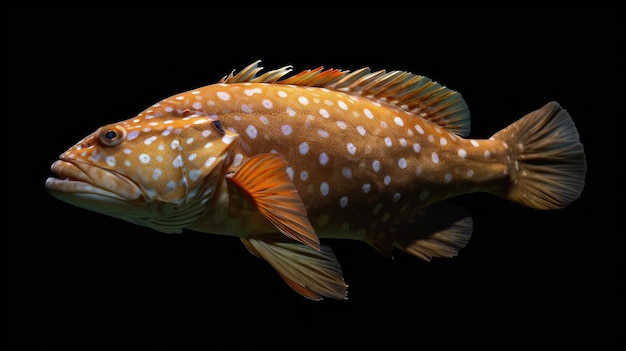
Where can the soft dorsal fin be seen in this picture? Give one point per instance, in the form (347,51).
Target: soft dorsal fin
(264,179)
(414,93)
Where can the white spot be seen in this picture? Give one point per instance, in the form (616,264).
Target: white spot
(223,95)
(251,92)
(127,151)
(246,108)
(189,141)
(361,130)
(208,145)
(169,109)
(196,105)
(324,113)
(195,174)
(470,173)
(251,131)
(267,103)
(144,158)
(443,141)
(304,175)
(210,161)
(435,157)
(322,133)
(516,166)
(110,160)
(264,120)
(289,171)
(127,163)
(286,129)
(487,154)
(417,147)
(192,157)
(346,172)
(290,111)
(388,141)
(303,100)
(132,135)
(398,121)
(462,153)
(366,188)
(387,180)
(419,129)
(156,173)
(376,166)
(419,170)
(323,159)
(171,185)
(396,197)
(341,125)
(200,121)
(474,143)
(180,98)
(324,188)
(343,202)
(237,159)
(402,163)
(402,142)
(206,133)
(174,144)
(282,94)
(351,148)
(178,162)
(368,113)
(431,138)
(447,177)
(304,148)
(342,105)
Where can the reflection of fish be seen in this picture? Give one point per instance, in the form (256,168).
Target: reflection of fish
(281,162)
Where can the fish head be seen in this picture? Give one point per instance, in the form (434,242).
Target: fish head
(159,169)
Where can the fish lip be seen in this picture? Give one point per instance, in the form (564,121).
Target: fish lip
(80,178)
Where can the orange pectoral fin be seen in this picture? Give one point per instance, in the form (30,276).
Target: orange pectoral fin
(264,178)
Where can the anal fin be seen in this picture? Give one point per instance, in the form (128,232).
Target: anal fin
(442,230)
(312,273)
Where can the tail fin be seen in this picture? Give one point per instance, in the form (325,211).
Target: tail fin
(550,165)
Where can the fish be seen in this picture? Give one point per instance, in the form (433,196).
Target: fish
(284,161)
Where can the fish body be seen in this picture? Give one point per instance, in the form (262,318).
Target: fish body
(284,162)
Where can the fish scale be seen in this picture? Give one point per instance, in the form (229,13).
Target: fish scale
(282,162)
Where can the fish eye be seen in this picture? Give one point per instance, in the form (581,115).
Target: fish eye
(111,135)
(218,125)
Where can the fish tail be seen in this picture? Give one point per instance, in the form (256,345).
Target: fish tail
(549,166)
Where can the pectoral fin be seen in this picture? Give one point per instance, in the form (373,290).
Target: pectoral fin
(264,179)
(314,274)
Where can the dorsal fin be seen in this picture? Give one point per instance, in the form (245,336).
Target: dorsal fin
(414,93)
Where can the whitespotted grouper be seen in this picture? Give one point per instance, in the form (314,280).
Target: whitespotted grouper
(281,162)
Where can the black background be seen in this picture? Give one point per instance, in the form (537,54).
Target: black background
(526,275)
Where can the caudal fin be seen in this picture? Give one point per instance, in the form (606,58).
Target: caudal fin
(549,159)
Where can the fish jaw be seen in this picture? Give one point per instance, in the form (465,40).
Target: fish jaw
(76,178)
(96,189)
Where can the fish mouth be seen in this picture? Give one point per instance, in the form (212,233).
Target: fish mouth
(74,178)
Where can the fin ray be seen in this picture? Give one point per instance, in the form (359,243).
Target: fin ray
(414,93)
(314,274)
(441,230)
(550,159)
(265,179)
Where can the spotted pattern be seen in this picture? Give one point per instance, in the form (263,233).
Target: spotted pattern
(348,152)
